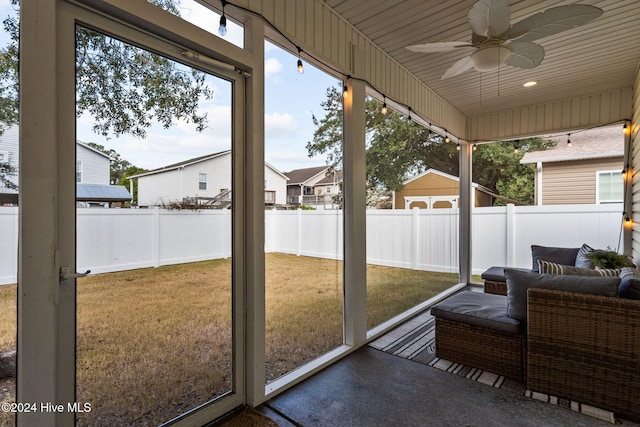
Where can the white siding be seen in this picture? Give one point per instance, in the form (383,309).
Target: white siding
(160,189)
(174,185)
(9,146)
(274,181)
(163,188)
(95,166)
(635,166)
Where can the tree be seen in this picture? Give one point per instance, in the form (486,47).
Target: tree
(497,167)
(122,87)
(398,148)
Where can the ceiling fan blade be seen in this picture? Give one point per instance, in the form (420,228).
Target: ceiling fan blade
(458,67)
(489,18)
(524,54)
(553,21)
(437,47)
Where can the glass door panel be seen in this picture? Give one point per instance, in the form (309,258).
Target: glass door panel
(303,224)
(154,188)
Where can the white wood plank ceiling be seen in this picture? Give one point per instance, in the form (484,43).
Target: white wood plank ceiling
(601,55)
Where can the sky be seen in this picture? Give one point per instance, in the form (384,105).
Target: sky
(290,101)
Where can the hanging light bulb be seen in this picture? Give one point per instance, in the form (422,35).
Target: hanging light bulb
(568,140)
(627,220)
(409,113)
(446,137)
(384,105)
(345,91)
(474,147)
(515,150)
(458,147)
(625,128)
(222,29)
(624,173)
(300,66)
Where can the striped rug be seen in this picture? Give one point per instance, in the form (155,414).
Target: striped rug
(415,340)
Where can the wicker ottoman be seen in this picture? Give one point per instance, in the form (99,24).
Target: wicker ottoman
(473,329)
(494,280)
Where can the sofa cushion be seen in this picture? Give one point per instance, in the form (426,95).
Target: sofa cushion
(477,308)
(519,282)
(564,256)
(629,283)
(546,267)
(581,258)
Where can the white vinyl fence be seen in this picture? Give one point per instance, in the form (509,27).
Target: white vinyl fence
(122,239)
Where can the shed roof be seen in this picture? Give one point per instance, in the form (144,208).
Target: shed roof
(598,143)
(102,193)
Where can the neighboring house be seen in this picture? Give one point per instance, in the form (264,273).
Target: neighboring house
(92,174)
(587,171)
(314,186)
(433,189)
(202,180)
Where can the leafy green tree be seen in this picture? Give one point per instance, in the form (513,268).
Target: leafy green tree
(497,167)
(122,87)
(124,180)
(398,148)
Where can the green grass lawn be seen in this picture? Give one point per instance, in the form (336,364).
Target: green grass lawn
(154,343)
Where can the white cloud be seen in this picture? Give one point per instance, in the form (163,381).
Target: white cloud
(272,66)
(279,124)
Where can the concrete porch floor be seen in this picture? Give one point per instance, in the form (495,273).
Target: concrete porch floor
(373,388)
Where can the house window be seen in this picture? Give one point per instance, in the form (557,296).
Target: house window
(202,181)
(78,170)
(610,187)
(328,190)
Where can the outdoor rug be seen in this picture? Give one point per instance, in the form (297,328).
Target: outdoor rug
(415,340)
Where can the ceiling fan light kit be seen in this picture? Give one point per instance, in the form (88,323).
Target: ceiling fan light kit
(498,42)
(489,58)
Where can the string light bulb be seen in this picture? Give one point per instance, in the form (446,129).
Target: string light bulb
(300,66)
(474,147)
(625,128)
(568,140)
(457,147)
(384,105)
(516,150)
(624,173)
(627,220)
(222,29)
(409,113)
(345,89)
(446,137)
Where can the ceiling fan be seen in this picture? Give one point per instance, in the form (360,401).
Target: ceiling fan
(497,42)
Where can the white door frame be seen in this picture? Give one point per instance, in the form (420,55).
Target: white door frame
(47,305)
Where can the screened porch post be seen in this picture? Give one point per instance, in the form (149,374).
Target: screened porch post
(464,260)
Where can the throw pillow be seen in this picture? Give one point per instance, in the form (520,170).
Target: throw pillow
(518,282)
(564,256)
(546,267)
(581,259)
(629,283)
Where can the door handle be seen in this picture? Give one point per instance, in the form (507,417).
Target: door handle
(66,274)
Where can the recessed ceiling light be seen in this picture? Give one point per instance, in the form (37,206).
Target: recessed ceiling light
(529,84)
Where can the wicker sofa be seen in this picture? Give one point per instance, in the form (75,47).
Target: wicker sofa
(574,337)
